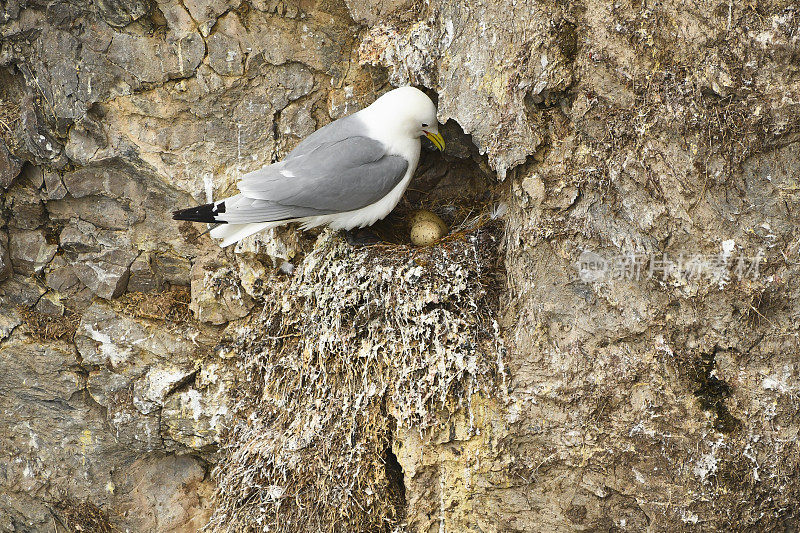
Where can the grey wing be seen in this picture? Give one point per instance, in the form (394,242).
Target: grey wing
(350,126)
(333,177)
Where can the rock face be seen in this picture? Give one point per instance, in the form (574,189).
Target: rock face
(622,356)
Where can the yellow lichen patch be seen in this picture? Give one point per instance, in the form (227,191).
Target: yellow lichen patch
(86,437)
(495,84)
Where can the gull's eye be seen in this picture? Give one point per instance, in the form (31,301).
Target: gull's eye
(424,125)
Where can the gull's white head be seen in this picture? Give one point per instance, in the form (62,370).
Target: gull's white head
(410,112)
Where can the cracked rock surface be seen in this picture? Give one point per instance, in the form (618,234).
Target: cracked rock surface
(608,339)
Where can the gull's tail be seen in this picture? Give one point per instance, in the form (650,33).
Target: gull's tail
(202,213)
(228,233)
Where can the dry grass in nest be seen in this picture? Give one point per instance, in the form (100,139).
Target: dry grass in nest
(48,327)
(83,517)
(358,341)
(9,117)
(172,305)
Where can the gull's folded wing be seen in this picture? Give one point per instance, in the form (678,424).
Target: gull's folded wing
(334,177)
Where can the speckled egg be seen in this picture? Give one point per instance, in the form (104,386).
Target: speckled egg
(427,228)
(424,214)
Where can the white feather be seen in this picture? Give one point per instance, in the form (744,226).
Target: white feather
(233,233)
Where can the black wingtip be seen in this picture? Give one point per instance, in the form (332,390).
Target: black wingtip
(201,213)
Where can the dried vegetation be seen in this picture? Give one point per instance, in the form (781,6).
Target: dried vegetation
(49,327)
(171,305)
(83,517)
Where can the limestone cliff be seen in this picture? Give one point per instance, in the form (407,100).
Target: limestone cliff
(608,339)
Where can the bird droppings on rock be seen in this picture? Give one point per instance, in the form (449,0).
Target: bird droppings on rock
(354,344)
(218,295)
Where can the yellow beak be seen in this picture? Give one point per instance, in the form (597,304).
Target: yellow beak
(436,139)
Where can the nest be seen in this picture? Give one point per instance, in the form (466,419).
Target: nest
(356,342)
(171,305)
(83,516)
(9,119)
(49,327)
